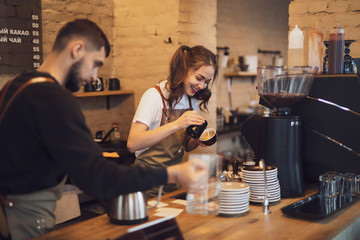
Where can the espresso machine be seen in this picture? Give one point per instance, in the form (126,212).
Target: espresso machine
(276,136)
(330,117)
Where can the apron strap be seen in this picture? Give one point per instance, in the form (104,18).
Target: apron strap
(189,99)
(163,98)
(165,110)
(3,93)
(4,228)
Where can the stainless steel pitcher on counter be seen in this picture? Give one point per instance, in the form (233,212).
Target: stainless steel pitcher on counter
(131,208)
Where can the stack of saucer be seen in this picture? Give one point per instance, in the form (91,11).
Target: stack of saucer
(254,177)
(234,198)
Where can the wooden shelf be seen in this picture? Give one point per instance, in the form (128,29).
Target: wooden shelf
(240,74)
(106,94)
(232,75)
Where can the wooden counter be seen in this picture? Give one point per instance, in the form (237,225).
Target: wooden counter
(253,225)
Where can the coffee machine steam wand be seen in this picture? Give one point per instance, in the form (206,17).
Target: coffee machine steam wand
(266,209)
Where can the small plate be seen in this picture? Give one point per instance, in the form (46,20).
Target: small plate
(271,200)
(234,212)
(260,174)
(257,168)
(262,188)
(251,181)
(242,201)
(233,186)
(234,197)
(225,215)
(234,207)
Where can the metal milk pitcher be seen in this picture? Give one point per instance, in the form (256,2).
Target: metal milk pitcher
(128,209)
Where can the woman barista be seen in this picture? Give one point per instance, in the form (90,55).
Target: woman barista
(157,133)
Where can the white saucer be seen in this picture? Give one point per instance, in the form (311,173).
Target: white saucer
(234,186)
(270,200)
(234,212)
(240,201)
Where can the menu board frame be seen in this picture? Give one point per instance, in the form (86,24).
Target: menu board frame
(20,36)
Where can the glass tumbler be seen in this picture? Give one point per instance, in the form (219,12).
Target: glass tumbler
(338,177)
(348,185)
(327,186)
(206,202)
(357,184)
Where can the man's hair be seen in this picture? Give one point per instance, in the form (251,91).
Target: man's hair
(85,30)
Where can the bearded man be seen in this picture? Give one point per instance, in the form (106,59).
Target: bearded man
(44,138)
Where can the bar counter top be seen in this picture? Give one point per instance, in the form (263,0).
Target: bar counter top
(252,225)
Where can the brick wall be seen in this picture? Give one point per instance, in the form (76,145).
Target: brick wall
(56,13)
(139,32)
(246,26)
(305,13)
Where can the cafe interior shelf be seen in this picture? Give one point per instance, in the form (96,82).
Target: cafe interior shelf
(240,74)
(104,93)
(243,75)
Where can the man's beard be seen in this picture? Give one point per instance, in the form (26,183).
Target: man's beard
(72,81)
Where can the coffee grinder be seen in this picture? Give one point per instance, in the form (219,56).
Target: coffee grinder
(276,137)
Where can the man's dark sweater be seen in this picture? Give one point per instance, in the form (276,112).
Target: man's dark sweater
(43,136)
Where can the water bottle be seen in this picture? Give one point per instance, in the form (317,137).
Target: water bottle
(296,46)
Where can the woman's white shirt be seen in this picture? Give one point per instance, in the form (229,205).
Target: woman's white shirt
(149,111)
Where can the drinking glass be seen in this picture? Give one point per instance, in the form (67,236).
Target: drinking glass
(357,184)
(206,202)
(338,177)
(327,186)
(348,185)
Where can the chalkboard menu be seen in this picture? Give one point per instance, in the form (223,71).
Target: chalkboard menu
(20,35)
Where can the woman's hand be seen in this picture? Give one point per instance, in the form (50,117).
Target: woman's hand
(189,118)
(141,137)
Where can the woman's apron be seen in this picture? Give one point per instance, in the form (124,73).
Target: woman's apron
(31,215)
(168,151)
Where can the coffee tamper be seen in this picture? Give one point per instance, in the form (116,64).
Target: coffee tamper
(266,209)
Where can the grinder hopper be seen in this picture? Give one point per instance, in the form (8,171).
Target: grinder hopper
(282,87)
(277,138)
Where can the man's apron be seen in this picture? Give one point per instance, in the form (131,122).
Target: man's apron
(168,151)
(31,215)
(24,216)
